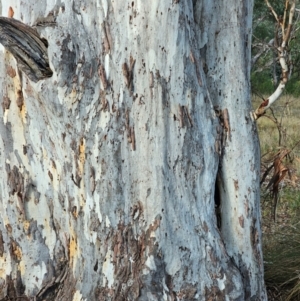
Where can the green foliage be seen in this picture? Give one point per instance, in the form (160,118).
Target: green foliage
(293,87)
(260,9)
(292,196)
(262,83)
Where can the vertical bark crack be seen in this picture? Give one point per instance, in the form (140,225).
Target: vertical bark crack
(218,203)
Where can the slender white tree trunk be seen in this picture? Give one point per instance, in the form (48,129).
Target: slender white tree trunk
(109,167)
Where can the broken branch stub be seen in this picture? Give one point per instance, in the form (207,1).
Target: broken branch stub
(28,48)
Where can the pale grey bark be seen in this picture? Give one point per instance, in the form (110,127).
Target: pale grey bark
(109,167)
(228,58)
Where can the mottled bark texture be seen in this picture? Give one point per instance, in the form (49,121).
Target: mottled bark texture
(109,167)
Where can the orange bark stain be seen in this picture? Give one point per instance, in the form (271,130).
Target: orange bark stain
(11,72)
(26,225)
(10,13)
(81,157)
(2,273)
(73,248)
(23,113)
(17,251)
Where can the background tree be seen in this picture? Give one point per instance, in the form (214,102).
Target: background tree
(111,169)
(267,39)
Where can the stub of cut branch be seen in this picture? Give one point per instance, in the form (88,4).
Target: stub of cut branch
(268,102)
(27,47)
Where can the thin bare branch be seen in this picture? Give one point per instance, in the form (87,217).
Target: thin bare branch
(264,48)
(284,19)
(287,34)
(272,10)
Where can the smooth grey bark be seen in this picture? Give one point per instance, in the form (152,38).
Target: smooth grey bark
(109,167)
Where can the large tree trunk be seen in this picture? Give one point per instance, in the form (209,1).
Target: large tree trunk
(110,167)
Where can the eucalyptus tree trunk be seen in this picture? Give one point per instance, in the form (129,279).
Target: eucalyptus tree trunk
(112,168)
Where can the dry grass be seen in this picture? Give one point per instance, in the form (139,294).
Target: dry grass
(282,262)
(279,132)
(283,132)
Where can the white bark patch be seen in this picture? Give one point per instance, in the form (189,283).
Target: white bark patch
(276,94)
(121,95)
(107,222)
(50,237)
(33,273)
(150,263)
(107,60)
(151,297)
(105,7)
(5,116)
(15,4)
(5,269)
(221,282)
(41,213)
(108,269)
(174,265)
(78,297)
(97,209)
(104,119)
